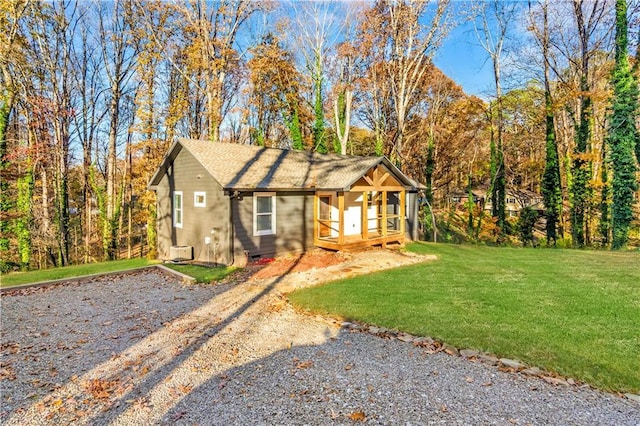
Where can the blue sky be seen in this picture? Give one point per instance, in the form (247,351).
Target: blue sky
(465,62)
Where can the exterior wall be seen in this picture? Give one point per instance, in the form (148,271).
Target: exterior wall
(412,220)
(294,226)
(186,174)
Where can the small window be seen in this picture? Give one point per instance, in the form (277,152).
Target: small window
(264,213)
(200,199)
(177,209)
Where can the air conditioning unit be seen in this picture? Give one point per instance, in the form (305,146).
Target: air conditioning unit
(180,253)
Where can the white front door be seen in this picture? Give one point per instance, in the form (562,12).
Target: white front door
(352,214)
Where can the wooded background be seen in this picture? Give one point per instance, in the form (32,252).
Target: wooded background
(93,93)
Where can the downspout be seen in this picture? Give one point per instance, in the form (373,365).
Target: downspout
(231,230)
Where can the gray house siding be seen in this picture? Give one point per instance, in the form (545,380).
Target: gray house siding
(294,226)
(411,228)
(187,175)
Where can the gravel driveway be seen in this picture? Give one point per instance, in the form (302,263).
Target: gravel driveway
(144,349)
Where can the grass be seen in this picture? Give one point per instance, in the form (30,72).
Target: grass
(203,274)
(576,313)
(18,278)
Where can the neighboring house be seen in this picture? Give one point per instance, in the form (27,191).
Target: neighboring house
(517,199)
(229,203)
(462,197)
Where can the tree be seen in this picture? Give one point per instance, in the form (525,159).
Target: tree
(412,46)
(622,133)
(551,181)
(581,164)
(346,70)
(210,32)
(12,44)
(317,26)
(275,95)
(53,32)
(373,88)
(495,18)
(119,57)
(88,82)
(526,223)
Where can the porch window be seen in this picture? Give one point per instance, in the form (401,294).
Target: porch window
(324,216)
(264,213)
(177,209)
(393,211)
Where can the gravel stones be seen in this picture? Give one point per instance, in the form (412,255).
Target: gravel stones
(144,349)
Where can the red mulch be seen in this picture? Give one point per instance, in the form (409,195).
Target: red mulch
(315,258)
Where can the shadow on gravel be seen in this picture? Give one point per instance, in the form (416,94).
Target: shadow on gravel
(154,378)
(118,368)
(356,377)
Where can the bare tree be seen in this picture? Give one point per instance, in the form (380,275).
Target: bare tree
(492,20)
(55,26)
(87,80)
(119,59)
(412,46)
(319,28)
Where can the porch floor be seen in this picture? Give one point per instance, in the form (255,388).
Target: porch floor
(354,242)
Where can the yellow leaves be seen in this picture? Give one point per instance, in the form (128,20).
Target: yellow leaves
(357,416)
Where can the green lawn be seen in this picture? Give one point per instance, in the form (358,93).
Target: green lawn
(18,278)
(573,312)
(203,274)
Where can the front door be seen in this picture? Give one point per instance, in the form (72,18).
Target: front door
(353,213)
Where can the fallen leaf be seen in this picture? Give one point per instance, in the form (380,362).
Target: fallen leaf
(100,389)
(357,416)
(304,364)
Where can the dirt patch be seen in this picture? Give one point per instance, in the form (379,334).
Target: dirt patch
(315,258)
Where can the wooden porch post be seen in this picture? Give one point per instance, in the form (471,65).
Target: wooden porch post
(402,210)
(341,217)
(384,213)
(316,216)
(365,216)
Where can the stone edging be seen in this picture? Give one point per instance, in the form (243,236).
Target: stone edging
(433,346)
(186,279)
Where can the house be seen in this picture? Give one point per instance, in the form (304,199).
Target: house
(229,203)
(462,197)
(517,199)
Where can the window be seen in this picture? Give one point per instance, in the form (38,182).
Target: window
(264,213)
(200,199)
(177,209)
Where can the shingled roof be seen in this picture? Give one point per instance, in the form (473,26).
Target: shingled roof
(248,167)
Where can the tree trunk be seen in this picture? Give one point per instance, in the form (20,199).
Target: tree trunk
(111,218)
(5,111)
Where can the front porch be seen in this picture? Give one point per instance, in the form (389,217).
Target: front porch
(371,213)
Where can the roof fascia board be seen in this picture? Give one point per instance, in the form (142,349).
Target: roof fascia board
(171,155)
